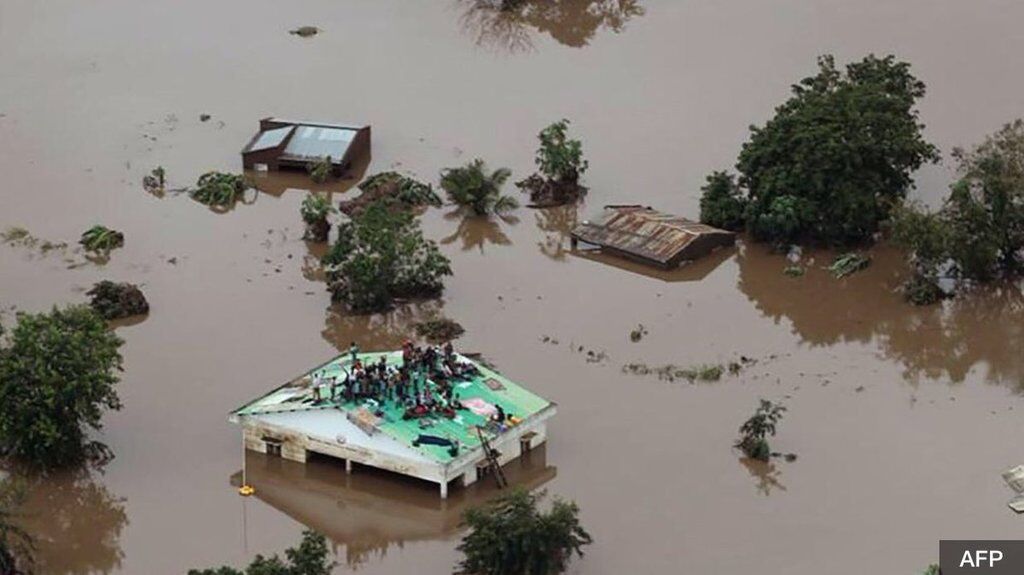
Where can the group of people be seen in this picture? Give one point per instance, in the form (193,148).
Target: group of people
(422,384)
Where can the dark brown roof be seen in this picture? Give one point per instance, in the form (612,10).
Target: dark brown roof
(649,234)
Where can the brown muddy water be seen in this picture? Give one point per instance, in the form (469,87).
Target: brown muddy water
(902,418)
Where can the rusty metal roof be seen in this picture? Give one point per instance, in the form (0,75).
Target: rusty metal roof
(643,232)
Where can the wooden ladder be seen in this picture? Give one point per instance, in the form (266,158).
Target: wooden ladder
(499,475)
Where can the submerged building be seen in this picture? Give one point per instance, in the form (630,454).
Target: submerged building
(651,237)
(308,415)
(290,144)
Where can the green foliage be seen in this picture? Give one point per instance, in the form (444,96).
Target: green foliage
(218,189)
(113,300)
(16,546)
(311,557)
(382,255)
(155,180)
(794,271)
(722,203)
(754,431)
(511,536)
(397,191)
(560,158)
(101,239)
(315,208)
(474,187)
(439,329)
(837,156)
(320,170)
(57,375)
(848,264)
(932,569)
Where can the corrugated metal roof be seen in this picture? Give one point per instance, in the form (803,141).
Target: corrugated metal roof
(312,142)
(643,232)
(270,139)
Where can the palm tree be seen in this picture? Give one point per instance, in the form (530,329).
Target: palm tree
(473,187)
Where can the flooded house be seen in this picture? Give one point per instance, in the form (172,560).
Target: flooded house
(645,235)
(283,144)
(315,413)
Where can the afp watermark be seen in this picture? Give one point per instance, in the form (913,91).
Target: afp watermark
(981,557)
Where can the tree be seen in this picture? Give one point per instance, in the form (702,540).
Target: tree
(57,376)
(309,558)
(978,234)
(837,157)
(117,300)
(17,549)
(754,430)
(382,255)
(722,203)
(511,536)
(560,163)
(314,211)
(474,187)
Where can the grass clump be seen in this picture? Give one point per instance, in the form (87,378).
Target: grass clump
(101,239)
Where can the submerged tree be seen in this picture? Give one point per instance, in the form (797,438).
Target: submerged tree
(117,300)
(314,211)
(978,234)
(380,256)
(512,536)
(474,187)
(722,203)
(311,557)
(17,549)
(560,164)
(57,376)
(837,157)
(754,431)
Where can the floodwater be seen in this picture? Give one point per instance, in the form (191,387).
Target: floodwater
(902,418)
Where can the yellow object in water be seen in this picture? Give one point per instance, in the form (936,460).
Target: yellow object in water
(246,490)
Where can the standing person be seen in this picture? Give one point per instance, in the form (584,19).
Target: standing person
(353,351)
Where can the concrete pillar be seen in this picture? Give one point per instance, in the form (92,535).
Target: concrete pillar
(348,466)
(444,489)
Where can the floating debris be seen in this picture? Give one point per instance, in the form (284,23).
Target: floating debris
(638,333)
(204,117)
(672,372)
(305,31)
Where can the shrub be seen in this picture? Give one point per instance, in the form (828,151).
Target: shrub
(439,329)
(314,211)
(474,187)
(320,170)
(218,189)
(117,300)
(837,156)
(754,431)
(380,256)
(311,557)
(396,191)
(722,203)
(57,375)
(101,239)
(511,536)
(559,157)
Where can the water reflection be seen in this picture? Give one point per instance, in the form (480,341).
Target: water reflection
(378,331)
(276,183)
(556,223)
(984,329)
(570,22)
(369,511)
(76,524)
(475,231)
(765,473)
(688,272)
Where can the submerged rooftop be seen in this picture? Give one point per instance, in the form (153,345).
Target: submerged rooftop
(291,143)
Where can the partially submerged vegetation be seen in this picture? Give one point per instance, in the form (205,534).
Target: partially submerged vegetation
(381,256)
(117,300)
(513,536)
(314,211)
(672,372)
(560,165)
(311,557)
(57,376)
(396,191)
(473,186)
(848,264)
(219,190)
(755,430)
(817,171)
(321,169)
(101,239)
(977,236)
(439,329)
(155,181)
